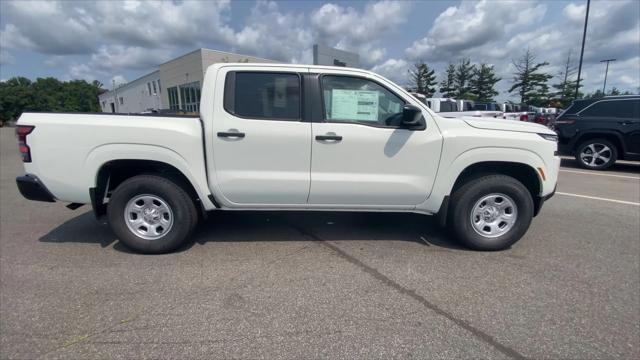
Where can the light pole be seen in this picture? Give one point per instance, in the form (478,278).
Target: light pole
(584,36)
(115,94)
(605,73)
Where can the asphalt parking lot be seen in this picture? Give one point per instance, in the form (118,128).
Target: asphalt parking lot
(325,285)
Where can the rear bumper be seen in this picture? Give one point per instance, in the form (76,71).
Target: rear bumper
(33,189)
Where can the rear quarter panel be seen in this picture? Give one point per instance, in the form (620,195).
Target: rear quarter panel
(67,150)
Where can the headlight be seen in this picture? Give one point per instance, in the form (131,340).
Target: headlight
(550,137)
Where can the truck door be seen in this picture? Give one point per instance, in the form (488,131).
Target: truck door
(361,155)
(261,145)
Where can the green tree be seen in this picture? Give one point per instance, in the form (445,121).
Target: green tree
(462,78)
(483,82)
(20,94)
(595,95)
(15,96)
(566,88)
(529,81)
(446,86)
(423,79)
(614,91)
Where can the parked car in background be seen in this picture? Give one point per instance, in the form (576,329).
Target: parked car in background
(600,131)
(450,108)
(291,137)
(465,105)
(487,106)
(442,104)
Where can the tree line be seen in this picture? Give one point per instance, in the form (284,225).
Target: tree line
(464,80)
(20,94)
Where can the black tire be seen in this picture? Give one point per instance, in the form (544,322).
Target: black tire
(183,210)
(465,198)
(585,162)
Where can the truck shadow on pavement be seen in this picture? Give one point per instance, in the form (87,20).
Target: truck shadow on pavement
(270,226)
(232,226)
(83,228)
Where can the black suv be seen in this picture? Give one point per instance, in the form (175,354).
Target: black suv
(600,131)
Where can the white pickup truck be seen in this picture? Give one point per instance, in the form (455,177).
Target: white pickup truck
(291,137)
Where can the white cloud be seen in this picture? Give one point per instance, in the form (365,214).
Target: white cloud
(114,57)
(5,57)
(80,27)
(575,13)
(352,30)
(99,39)
(460,30)
(118,80)
(131,35)
(275,35)
(393,69)
(485,32)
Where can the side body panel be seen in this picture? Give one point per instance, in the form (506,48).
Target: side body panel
(68,149)
(269,165)
(373,165)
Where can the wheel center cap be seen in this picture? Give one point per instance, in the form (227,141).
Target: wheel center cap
(490,214)
(151,215)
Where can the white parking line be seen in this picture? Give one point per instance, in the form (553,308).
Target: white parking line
(598,198)
(598,174)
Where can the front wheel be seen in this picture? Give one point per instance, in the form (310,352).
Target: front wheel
(491,212)
(151,214)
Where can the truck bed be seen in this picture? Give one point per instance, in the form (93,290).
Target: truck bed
(67,150)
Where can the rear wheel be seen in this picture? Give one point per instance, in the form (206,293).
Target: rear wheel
(151,214)
(491,212)
(596,154)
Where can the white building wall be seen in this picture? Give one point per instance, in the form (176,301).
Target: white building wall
(324,55)
(186,69)
(135,96)
(191,68)
(179,71)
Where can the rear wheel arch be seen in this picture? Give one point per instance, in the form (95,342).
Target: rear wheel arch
(114,172)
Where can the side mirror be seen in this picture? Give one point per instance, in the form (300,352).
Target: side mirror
(412,117)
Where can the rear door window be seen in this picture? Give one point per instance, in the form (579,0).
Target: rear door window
(263,95)
(613,109)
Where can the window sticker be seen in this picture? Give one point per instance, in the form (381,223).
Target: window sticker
(358,105)
(280,95)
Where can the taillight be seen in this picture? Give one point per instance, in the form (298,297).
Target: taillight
(524,117)
(567,121)
(22,131)
(539,119)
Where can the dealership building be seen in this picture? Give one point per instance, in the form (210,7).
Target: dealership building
(176,84)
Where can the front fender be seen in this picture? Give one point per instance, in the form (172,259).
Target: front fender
(449,171)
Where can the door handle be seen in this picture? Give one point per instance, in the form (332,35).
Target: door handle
(229,134)
(329,137)
(627,122)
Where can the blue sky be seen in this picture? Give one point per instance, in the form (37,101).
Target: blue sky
(108,40)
